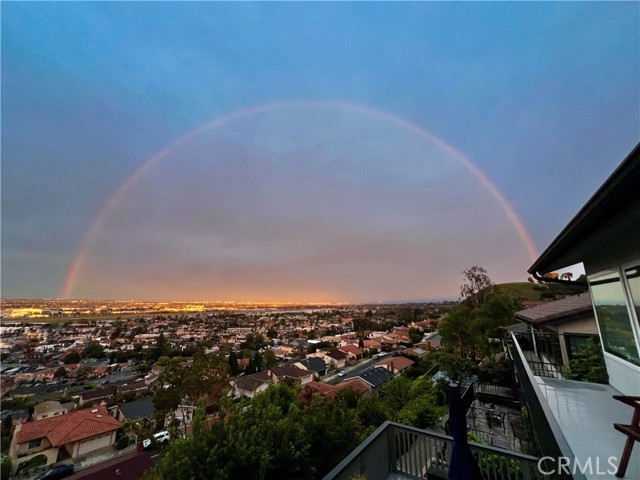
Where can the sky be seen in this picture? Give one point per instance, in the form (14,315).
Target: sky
(348,152)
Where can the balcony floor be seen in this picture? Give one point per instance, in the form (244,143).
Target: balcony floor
(586,414)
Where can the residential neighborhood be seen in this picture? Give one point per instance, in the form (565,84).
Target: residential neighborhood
(81,391)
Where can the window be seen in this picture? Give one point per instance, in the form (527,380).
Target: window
(633,280)
(35,443)
(610,304)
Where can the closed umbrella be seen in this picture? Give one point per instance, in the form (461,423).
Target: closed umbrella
(463,464)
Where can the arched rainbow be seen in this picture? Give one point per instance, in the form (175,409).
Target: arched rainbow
(240,114)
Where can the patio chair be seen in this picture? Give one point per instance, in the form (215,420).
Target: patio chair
(632,431)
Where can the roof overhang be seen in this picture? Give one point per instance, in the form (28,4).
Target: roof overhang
(606,230)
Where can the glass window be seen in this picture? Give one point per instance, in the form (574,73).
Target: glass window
(613,317)
(633,279)
(35,443)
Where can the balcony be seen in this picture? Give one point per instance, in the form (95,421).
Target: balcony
(573,419)
(397,452)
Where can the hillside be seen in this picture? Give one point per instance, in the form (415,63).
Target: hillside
(534,291)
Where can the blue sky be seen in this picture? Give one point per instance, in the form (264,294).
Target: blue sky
(542,97)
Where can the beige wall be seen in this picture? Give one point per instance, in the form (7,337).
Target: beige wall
(16,449)
(88,446)
(585,325)
(50,453)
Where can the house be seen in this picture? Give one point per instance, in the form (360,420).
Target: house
(308,391)
(291,374)
(395,364)
(605,237)
(354,352)
(430,342)
(251,385)
(415,352)
(97,396)
(142,409)
(334,357)
(376,376)
(181,416)
(372,344)
(62,436)
(570,321)
(137,387)
(313,364)
(49,408)
(356,384)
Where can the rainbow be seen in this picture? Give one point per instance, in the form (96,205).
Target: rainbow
(248,112)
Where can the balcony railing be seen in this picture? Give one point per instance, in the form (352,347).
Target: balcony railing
(407,452)
(549,438)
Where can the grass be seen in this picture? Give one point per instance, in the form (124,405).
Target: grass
(535,291)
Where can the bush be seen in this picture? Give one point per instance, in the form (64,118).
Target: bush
(6,466)
(37,461)
(587,364)
(123,442)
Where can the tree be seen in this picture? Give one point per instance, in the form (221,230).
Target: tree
(168,395)
(396,394)
(60,373)
(415,335)
(456,329)
(477,286)
(205,371)
(234,367)
(93,350)
(6,466)
(160,349)
(269,358)
(419,412)
(71,357)
(588,364)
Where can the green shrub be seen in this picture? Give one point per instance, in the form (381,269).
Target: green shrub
(33,462)
(123,442)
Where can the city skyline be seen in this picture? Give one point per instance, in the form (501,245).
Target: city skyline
(302,152)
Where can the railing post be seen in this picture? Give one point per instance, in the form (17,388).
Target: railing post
(391,442)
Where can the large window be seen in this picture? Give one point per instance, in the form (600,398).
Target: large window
(633,280)
(613,316)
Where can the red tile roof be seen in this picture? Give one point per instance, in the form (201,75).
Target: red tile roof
(74,426)
(38,429)
(358,385)
(354,349)
(396,363)
(320,388)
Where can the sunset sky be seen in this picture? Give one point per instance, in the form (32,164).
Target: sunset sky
(349,152)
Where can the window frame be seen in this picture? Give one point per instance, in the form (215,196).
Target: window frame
(620,270)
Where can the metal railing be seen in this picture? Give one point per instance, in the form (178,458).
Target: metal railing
(549,438)
(498,391)
(419,454)
(546,369)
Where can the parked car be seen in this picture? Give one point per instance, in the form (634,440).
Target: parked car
(160,437)
(54,473)
(342,373)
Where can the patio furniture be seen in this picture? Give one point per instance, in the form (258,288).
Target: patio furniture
(632,431)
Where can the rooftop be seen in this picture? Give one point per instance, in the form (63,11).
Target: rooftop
(70,427)
(376,376)
(610,217)
(566,307)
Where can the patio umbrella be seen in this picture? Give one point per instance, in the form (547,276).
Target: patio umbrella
(463,465)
